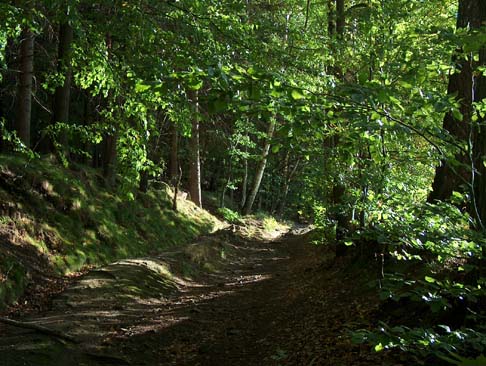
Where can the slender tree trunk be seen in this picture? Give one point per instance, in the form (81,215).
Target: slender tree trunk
(177,182)
(144,182)
(110,157)
(110,140)
(260,170)
(226,184)
(173,157)
(195,160)
(331,24)
(63,92)
(338,191)
(244,184)
(24,93)
(307,11)
(288,178)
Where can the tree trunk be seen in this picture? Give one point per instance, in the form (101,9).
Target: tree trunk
(479,143)
(226,183)
(177,182)
(109,157)
(63,92)
(288,178)
(110,140)
(144,181)
(338,191)
(450,177)
(24,93)
(260,170)
(340,18)
(244,184)
(173,157)
(195,160)
(331,24)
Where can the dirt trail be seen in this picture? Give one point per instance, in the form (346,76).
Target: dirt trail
(281,302)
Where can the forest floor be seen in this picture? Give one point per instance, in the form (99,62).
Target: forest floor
(226,300)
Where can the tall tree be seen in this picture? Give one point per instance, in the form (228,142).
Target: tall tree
(63,91)
(340,18)
(257,179)
(195,158)
(24,92)
(468,172)
(174,153)
(479,138)
(451,175)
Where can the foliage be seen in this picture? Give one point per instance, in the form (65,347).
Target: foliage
(444,298)
(359,116)
(70,222)
(229,215)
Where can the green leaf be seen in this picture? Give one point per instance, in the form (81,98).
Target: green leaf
(457,114)
(430,279)
(195,84)
(296,94)
(375,116)
(141,87)
(379,347)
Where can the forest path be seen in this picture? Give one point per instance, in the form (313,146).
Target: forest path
(263,302)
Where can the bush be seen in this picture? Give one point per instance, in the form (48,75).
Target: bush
(229,215)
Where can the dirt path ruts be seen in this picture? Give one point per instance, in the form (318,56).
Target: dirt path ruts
(282,302)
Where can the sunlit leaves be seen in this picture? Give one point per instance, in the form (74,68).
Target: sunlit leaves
(296,94)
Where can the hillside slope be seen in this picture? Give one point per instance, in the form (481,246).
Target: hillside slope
(57,221)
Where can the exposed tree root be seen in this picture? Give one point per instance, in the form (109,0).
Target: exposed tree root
(40,329)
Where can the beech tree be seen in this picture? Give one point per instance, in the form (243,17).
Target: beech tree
(466,172)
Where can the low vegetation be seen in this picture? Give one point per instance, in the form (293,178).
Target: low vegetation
(59,221)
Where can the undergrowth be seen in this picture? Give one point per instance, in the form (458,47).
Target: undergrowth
(60,221)
(433,286)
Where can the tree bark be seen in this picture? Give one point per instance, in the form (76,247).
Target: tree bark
(195,159)
(63,92)
(110,140)
(451,177)
(288,178)
(331,24)
(177,182)
(478,176)
(226,183)
(338,191)
(109,157)
(244,184)
(144,181)
(24,93)
(173,157)
(340,18)
(260,170)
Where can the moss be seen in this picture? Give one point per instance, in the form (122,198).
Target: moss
(74,221)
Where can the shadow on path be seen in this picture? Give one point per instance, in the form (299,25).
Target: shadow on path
(280,302)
